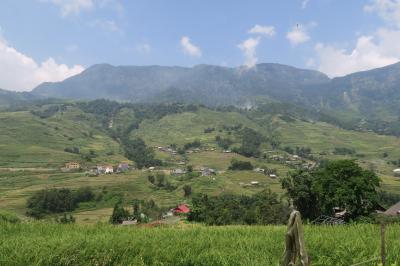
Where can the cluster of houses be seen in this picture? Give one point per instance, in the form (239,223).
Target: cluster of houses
(205,171)
(180,210)
(174,152)
(167,149)
(262,170)
(252,183)
(293,160)
(99,169)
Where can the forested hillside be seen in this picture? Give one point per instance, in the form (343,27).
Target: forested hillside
(194,149)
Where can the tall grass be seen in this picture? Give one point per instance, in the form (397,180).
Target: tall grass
(53,244)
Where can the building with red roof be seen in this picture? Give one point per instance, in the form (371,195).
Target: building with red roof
(182,208)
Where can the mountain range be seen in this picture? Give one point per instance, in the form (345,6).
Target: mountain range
(206,84)
(370,97)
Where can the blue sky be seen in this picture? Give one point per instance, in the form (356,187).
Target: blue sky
(49,40)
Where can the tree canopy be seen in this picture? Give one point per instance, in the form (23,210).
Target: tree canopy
(335,184)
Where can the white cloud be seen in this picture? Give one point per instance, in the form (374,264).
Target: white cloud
(72,7)
(21,73)
(263,30)
(389,10)
(304,4)
(143,48)
(298,35)
(189,48)
(75,7)
(107,25)
(248,48)
(372,51)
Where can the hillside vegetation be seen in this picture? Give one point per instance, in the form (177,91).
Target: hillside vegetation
(37,140)
(365,100)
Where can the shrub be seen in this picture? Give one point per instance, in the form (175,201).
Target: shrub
(261,208)
(9,217)
(119,214)
(56,201)
(240,165)
(209,130)
(191,145)
(343,151)
(187,190)
(75,150)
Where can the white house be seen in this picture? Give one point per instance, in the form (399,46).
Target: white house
(254,183)
(396,172)
(178,171)
(108,169)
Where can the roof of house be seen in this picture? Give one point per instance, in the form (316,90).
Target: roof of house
(183,208)
(394,210)
(179,171)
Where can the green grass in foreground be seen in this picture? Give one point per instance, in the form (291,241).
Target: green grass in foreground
(52,244)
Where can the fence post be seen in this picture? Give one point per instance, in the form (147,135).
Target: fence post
(383,244)
(294,241)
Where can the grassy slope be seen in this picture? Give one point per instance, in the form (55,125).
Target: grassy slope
(187,127)
(39,144)
(322,137)
(29,141)
(188,245)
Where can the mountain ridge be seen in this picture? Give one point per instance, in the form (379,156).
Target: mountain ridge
(205,84)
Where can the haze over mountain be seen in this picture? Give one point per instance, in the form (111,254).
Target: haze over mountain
(207,84)
(216,85)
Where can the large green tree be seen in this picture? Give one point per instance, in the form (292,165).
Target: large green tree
(341,183)
(137,151)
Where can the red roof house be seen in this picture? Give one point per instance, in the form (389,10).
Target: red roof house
(183,208)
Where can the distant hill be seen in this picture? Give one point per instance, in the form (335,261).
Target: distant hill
(8,98)
(206,84)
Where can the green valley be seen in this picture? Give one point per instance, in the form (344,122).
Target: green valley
(37,142)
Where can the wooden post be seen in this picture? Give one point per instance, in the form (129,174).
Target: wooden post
(383,244)
(294,241)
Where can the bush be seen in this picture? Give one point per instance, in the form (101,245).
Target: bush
(48,201)
(119,214)
(9,217)
(251,141)
(83,194)
(137,151)
(240,165)
(343,151)
(75,150)
(191,145)
(224,143)
(65,219)
(261,208)
(209,130)
(187,190)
